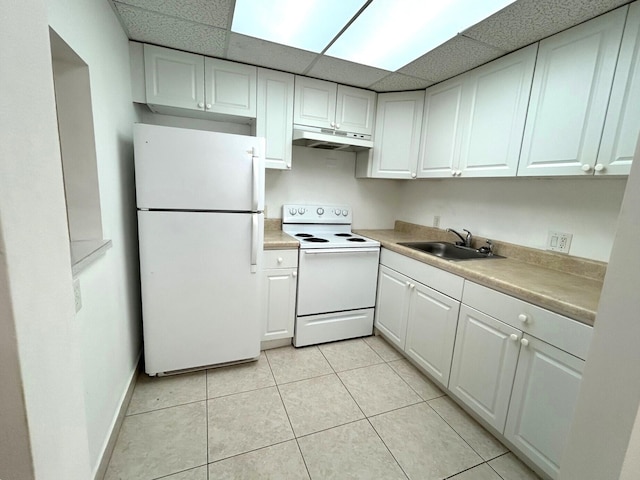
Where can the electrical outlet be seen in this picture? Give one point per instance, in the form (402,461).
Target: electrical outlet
(76,293)
(436,221)
(558,241)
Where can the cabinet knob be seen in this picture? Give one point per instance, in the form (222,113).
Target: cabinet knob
(453,173)
(458,173)
(337,125)
(599,167)
(208,106)
(586,167)
(523,318)
(294,274)
(408,284)
(333,124)
(513,337)
(280,259)
(524,342)
(412,286)
(200,105)
(413,175)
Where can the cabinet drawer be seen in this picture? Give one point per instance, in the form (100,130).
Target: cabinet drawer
(563,332)
(280,259)
(433,277)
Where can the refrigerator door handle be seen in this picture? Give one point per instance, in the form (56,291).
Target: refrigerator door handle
(254,242)
(256,182)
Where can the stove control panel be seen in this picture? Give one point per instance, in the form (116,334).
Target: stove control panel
(330,214)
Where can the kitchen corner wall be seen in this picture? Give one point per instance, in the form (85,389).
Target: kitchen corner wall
(522,210)
(328,176)
(109,324)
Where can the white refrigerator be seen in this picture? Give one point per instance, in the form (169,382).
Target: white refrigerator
(200,199)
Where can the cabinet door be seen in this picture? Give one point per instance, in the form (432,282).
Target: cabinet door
(397,135)
(173,78)
(440,143)
(431,330)
(498,96)
(355,110)
(230,88)
(315,103)
(274,116)
(622,123)
(392,305)
(571,86)
(484,364)
(545,392)
(279,307)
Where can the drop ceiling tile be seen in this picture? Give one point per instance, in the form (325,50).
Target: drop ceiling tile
(150,27)
(217,13)
(450,59)
(527,21)
(268,54)
(397,82)
(348,73)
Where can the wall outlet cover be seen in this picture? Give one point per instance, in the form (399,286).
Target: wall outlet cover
(559,241)
(436,221)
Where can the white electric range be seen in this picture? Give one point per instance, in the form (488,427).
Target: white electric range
(337,274)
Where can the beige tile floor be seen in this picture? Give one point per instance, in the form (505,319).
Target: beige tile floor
(346,410)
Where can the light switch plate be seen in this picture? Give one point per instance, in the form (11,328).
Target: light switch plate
(558,241)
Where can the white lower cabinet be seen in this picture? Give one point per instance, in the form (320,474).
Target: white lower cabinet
(279,278)
(484,363)
(431,330)
(417,318)
(545,392)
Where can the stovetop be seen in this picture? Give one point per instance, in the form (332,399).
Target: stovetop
(322,226)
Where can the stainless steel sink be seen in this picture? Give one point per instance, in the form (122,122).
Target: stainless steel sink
(449,251)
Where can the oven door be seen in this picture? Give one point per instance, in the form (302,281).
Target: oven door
(337,279)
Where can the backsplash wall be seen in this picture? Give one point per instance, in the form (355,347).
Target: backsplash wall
(326,176)
(522,210)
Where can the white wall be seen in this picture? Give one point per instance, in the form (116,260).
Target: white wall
(521,211)
(36,256)
(326,176)
(109,321)
(605,437)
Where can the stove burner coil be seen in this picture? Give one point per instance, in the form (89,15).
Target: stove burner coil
(315,239)
(304,235)
(343,235)
(355,239)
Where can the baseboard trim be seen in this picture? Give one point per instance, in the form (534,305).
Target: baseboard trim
(117,424)
(269,344)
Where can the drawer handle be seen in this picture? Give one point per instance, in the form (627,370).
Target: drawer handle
(294,274)
(280,259)
(524,342)
(513,337)
(523,318)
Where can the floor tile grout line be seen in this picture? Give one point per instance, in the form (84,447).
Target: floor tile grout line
(459,435)
(453,477)
(293,432)
(388,449)
(168,475)
(206,403)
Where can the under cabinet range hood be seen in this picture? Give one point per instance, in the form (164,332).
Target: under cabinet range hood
(329,139)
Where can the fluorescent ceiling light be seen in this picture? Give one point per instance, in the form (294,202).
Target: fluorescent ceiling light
(306,24)
(391,33)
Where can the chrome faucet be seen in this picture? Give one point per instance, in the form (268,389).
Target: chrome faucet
(464,241)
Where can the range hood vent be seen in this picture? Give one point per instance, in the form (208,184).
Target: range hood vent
(328,139)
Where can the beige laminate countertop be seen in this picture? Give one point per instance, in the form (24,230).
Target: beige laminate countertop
(574,296)
(278,240)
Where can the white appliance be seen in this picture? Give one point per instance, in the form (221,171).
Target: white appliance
(200,198)
(337,274)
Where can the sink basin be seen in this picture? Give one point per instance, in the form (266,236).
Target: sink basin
(448,251)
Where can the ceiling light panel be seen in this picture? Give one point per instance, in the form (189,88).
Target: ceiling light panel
(391,33)
(306,24)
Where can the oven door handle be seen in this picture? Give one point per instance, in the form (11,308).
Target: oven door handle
(319,251)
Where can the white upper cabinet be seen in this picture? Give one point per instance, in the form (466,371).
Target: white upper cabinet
(571,87)
(274,118)
(230,88)
(173,78)
(473,123)
(323,104)
(178,83)
(396,139)
(355,110)
(622,123)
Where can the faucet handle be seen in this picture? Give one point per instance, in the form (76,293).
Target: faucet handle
(468,237)
(488,249)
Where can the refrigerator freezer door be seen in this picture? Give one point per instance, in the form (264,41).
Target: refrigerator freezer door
(200,300)
(181,169)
